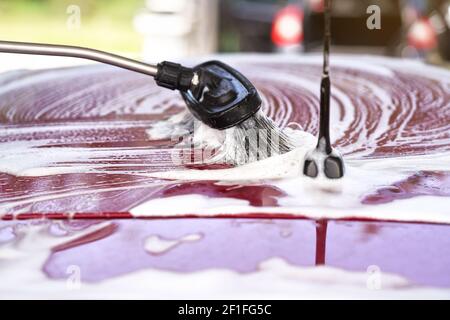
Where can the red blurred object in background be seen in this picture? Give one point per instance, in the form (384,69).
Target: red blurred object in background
(316,5)
(422,35)
(287,27)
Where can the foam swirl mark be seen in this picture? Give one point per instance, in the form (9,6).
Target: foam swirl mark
(376,112)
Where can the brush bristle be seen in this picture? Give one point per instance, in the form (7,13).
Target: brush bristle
(257,138)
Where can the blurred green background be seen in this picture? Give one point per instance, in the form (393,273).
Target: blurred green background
(105,24)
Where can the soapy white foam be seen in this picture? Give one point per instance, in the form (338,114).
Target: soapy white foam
(281,166)
(191,203)
(22,277)
(319,198)
(315,198)
(306,197)
(405,210)
(73,126)
(39,158)
(155,244)
(175,126)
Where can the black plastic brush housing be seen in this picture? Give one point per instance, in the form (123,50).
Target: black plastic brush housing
(223,97)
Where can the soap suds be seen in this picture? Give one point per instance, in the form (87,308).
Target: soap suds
(23,277)
(315,198)
(155,244)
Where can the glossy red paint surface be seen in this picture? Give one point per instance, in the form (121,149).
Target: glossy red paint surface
(93,121)
(91,110)
(418,252)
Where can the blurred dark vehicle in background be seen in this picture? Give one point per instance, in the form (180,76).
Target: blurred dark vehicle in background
(268,25)
(349,25)
(246,25)
(408,28)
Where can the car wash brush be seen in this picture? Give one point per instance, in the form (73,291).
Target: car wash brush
(215,94)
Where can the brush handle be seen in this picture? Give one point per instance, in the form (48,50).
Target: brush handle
(167,74)
(78,52)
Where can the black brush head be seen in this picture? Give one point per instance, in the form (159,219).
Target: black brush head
(223,97)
